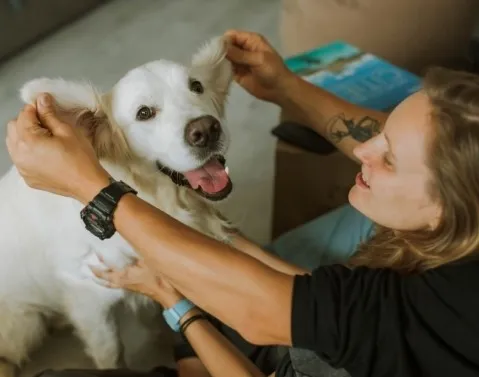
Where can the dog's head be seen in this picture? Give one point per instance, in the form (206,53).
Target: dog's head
(162,113)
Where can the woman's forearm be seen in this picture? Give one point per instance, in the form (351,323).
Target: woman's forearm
(250,248)
(191,367)
(342,123)
(236,288)
(217,354)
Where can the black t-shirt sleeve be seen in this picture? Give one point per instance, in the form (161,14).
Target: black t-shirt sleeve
(377,322)
(285,367)
(338,312)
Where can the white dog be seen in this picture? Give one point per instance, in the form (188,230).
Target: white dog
(160,129)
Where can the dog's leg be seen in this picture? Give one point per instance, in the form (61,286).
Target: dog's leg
(90,311)
(21,329)
(146,337)
(8,369)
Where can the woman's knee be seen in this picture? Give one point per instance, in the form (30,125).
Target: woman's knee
(330,238)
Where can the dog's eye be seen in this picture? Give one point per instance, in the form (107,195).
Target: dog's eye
(145,113)
(196,86)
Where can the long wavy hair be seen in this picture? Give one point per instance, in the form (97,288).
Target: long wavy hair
(453,159)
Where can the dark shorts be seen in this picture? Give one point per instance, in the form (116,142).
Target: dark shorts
(331,238)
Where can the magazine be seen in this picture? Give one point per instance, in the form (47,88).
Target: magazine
(359,77)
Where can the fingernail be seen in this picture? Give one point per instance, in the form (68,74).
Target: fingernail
(45,100)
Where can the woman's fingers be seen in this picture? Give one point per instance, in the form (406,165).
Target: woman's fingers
(11,137)
(28,122)
(108,276)
(20,129)
(246,39)
(47,114)
(104,283)
(100,258)
(244,57)
(118,278)
(100,272)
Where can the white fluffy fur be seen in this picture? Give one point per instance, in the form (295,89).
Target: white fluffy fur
(44,247)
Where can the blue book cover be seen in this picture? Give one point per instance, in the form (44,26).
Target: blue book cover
(359,77)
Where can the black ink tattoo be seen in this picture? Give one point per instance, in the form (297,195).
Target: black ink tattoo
(339,127)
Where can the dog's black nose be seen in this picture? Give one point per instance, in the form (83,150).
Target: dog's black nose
(203,132)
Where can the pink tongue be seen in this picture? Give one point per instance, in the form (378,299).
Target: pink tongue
(211,177)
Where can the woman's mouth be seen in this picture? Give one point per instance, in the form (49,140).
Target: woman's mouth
(361,182)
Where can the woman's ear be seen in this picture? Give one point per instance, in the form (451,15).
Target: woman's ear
(82,105)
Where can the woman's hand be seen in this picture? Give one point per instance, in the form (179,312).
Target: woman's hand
(52,155)
(258,67)
(138,278)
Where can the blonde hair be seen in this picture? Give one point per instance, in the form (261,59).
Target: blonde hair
(453,159)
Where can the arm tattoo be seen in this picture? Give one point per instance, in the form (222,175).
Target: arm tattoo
(340,127)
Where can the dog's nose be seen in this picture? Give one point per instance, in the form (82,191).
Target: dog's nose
(203,131)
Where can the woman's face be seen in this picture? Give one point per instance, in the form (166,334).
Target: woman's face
(392,187)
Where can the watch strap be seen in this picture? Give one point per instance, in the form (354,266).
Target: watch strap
(98,214)
(107,199)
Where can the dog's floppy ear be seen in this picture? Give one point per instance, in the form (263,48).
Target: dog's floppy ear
(81,104)
(210,64)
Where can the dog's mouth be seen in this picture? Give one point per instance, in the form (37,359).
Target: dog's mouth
(210,180)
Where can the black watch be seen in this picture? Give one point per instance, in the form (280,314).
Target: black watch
(98,214)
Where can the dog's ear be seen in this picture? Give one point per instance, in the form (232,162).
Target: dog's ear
(210,64)
(80,104)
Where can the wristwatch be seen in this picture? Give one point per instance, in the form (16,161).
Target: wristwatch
(98,214)
(174,314)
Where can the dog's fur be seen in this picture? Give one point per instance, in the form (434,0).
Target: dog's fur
(45,249)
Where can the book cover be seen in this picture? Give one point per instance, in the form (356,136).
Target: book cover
(359,77)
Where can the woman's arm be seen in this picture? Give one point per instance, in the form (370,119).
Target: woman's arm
(261,71)
(193,367)
(250,248)
(216,353)
(342,123)
(242,292)
(239,290)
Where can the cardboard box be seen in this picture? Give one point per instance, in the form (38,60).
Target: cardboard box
(411,34)
(308,184)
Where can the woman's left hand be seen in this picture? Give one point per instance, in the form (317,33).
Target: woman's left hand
(139,278)
(52,155)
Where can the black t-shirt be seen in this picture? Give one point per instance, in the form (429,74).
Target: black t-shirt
(381,323)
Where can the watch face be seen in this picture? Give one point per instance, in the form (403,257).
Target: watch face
(99,225)
(98,214)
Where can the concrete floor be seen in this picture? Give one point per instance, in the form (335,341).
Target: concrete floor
(102,46)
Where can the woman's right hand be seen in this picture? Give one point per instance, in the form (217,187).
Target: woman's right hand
(258,67)
(138,278)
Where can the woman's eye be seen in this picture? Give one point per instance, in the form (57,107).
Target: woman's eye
(145,113)
(196,86)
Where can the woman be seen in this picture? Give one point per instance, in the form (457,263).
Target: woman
(407,303)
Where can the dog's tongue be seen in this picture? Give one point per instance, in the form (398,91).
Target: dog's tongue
(211,177)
